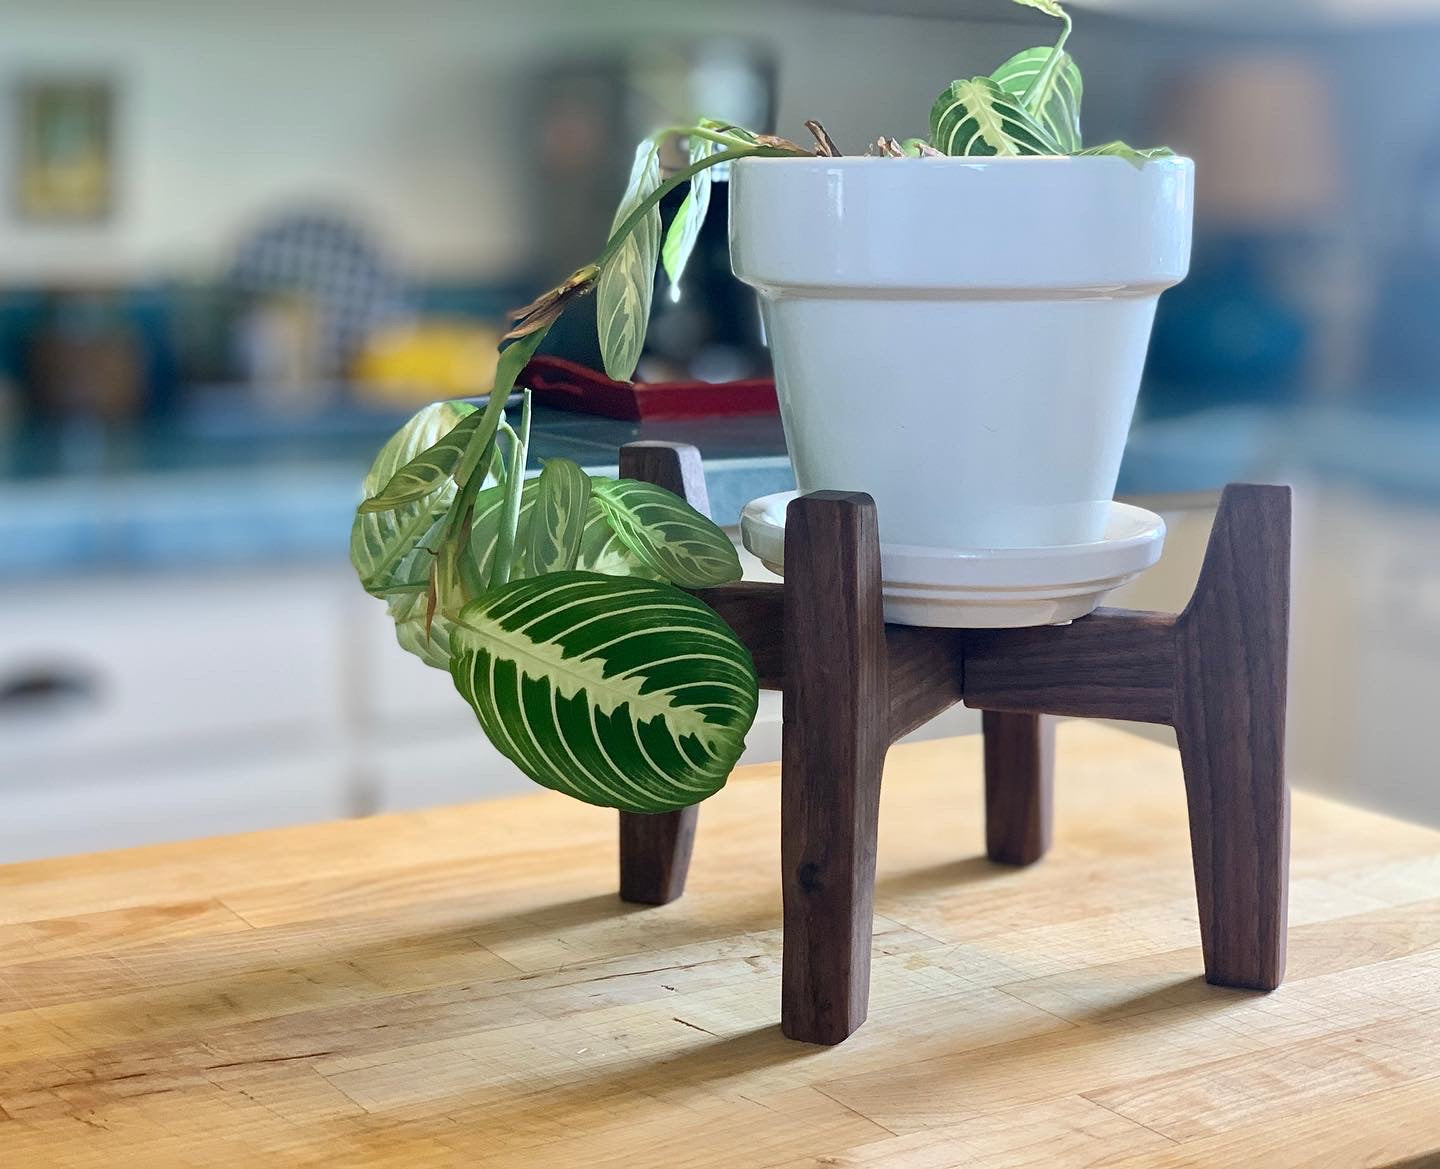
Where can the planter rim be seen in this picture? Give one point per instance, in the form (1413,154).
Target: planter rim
(968,162)
(984,225)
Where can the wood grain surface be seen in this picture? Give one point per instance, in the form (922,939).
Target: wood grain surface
(462,987)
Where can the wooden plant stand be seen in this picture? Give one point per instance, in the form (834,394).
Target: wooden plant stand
(853,685)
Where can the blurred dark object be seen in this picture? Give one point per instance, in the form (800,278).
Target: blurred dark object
(1226,334)
(48,687)
(86,362)
(100,354)
(563,385)
(1247,324)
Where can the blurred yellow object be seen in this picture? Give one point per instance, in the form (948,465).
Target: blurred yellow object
(426,360)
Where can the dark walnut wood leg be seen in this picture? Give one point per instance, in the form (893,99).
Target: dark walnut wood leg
(1019,786)
(835,738)
(1231,646)
(655,850)
(655,855)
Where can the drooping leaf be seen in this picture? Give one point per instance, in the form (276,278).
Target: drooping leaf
(556,523)
(384,544)
(427,470)
(431,645)
(628,694)
(392,551)
(509,531)
(977,117)
(627,281)
(466,446)
(1057,109)
(1048,7)
(1129,153)
(545,309)
(689,216)
(667,534)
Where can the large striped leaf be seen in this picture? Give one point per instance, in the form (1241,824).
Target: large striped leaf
(689,216)
(627,281)
(1057,108)
(977,117)
(667,534)
(557,520)
(385,546)
(628,694)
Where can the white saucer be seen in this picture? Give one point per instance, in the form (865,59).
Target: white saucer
(987,588)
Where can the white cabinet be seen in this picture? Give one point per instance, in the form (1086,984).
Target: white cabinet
(128,668)
(143,708)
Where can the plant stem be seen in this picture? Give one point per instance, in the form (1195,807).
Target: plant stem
(1037,93)
(476,461)
(709,135)
(514,489)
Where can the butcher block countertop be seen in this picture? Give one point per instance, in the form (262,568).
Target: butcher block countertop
(462,988)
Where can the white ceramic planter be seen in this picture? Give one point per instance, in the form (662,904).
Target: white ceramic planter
(962,338)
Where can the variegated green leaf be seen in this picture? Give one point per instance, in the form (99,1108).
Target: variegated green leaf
(628,694)
(667,534)
(1057,109)
(689,217)
(431,645)
(384,545)
(1129,153)
(627,281)
(556,522)
(977,117)
(429,469)
(601,550)
(510,540)
(464,448)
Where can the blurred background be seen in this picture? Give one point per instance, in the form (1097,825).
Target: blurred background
(240,244)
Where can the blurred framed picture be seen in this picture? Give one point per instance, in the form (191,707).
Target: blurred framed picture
(64,141)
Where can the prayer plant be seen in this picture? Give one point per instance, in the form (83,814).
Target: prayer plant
(562,604)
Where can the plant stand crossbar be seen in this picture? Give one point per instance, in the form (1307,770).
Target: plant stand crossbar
(853,685)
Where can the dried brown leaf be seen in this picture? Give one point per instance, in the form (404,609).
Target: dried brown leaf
(779,143)
(546,308)
(825,145)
